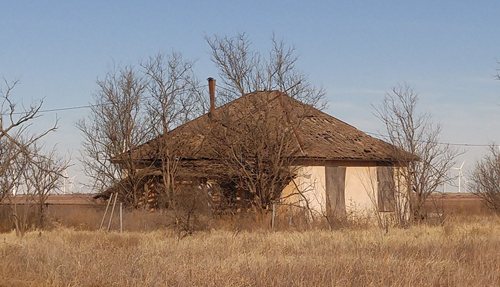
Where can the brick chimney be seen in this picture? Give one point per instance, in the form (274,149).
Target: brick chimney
(211,91)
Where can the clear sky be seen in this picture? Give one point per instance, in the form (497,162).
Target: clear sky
(357,50)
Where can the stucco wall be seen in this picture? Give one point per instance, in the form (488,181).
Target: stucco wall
(311,184)
(361,190)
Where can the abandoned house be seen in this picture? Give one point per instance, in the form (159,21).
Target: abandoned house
(337,169)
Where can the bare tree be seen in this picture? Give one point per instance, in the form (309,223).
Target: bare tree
(132,107)
(23,166)
(174,94)
(43,178)
(41,174)
(9,171)
(258,146)
(243,70)
(15,136)
(117,124)
(414,133)
(174,98)
(485,179)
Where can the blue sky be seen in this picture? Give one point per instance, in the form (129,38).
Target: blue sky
(356,50)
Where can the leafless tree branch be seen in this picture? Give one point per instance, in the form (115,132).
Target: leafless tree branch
(485,179)
(243,70)
(414,133)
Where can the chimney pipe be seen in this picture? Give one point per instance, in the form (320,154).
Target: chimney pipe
(211,91)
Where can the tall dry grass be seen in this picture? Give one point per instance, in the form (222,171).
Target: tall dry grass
(455,254)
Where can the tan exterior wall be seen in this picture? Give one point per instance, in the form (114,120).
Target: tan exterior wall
(361,187)
(310,182)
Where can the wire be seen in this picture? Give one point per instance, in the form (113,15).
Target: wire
(202,86)
(70,108)
(440,143)
(74,107)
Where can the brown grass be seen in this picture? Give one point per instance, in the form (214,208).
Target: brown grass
(457,204)
(62,213)
(88,218)
(455,254)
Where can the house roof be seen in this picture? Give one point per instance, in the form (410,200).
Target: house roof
(318,135)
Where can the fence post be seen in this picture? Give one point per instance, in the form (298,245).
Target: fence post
(112,211)
(106,211)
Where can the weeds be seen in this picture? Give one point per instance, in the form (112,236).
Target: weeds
(455,254)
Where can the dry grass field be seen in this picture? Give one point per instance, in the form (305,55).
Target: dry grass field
(453,254)
(461,204)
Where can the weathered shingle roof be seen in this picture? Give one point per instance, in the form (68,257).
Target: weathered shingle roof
(320,136)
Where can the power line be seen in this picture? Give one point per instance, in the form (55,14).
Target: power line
(74,107)
(70,108)
(201,86)
(57,109)
(440,143)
